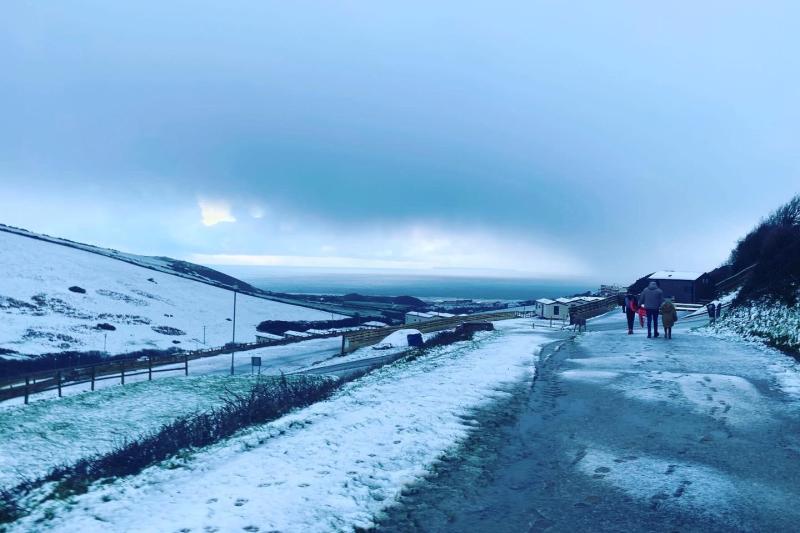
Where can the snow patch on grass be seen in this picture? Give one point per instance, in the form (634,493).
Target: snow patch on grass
(35,438)
(765,321)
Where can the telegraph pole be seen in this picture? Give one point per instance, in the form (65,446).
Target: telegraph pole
(233,339)
(204,335)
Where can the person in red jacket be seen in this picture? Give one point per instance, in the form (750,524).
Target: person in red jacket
(630,307)
(642,315)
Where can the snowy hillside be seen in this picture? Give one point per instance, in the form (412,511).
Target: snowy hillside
(162,264)
(54,298)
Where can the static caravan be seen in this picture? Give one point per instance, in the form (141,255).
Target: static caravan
(552,309)
(373,324)
(415,317)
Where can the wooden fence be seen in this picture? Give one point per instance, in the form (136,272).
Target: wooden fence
(358,339)
(123,368)
(735,281)
(579,314)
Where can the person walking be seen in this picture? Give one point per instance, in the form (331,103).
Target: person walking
(642,314)
(669,315)
(652,298)
(629,307)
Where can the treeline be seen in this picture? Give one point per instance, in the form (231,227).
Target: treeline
(774,248)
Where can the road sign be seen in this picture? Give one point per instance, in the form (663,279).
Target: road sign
(255,361)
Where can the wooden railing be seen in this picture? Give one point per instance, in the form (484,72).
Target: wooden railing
(730,283)
(123,368)
(358,339)
(580,313)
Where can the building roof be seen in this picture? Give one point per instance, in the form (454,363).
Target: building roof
(672,274)
(563,300)
(545,301)
(443,315)
(417,313)
(292,333)
(268,336)
(374,324)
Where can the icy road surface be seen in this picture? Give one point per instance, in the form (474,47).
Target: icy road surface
(622,433)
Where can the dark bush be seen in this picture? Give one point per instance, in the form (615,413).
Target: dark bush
(105,326)
(279,327)
(77,289)
(449,337)
(774,248)
(167,330)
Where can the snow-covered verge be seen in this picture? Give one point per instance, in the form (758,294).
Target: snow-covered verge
(45,434)
(53,298)
(330,466)
(769,322)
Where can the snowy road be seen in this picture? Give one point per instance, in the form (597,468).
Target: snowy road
(624,433)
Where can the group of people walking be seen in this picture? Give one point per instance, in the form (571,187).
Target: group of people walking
(650,304)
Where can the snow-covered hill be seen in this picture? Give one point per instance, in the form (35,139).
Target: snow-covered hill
(54,294)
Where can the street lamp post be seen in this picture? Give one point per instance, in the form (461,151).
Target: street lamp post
(233,337)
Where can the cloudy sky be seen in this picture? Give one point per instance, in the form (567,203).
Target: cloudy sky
(552,139)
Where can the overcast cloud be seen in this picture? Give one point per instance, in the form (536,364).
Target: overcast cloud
(598,139)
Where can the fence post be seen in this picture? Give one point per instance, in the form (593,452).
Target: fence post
(149,368)
(27,383)
(93,377)
(123,372)
(58,377)
(186,364)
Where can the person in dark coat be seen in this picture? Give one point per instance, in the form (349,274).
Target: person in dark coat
(712,313)
(652,298)
(629,307)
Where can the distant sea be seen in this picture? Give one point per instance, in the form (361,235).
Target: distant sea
(421,286)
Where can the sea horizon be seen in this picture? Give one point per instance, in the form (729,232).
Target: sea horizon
(424,286)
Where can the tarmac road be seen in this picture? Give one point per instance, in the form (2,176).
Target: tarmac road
(622,433)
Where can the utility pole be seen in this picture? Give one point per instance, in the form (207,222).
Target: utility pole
(105,339)
(204,335)
(233,339)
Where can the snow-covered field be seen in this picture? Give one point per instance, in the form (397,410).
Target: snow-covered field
(45,434)
(148,309)
(331,466)
(52,431)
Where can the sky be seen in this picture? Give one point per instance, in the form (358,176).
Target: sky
(592,140)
